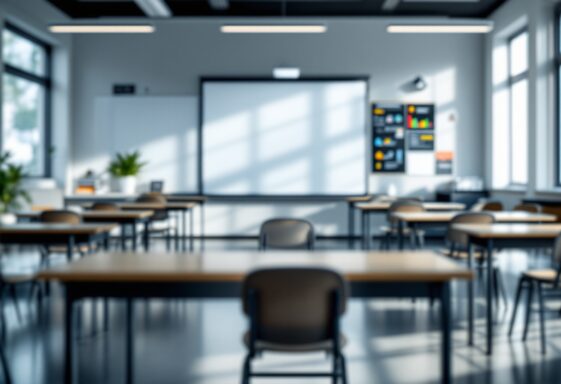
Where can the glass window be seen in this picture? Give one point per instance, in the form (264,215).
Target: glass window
(519,132)
(25,100)
(518,47)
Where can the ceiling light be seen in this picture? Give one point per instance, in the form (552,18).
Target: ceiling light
(286,73)
(440,28)
(102,28)
(154,8)
(273,28)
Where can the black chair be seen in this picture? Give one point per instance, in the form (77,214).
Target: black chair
(294,310)
(390,231)
(286,234)
(540,280)
(61,217)
(160,221)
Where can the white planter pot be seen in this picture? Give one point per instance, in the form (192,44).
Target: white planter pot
(8,219)
(127,185)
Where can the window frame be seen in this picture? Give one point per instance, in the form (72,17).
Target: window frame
(557,63)
(510,82)
(45,82)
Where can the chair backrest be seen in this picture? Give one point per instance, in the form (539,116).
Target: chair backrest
(530,207)
(286,234)
(404,205)
(60,217)
(100,206)
(294,305)
(489,206)
(152,197)
(461,239)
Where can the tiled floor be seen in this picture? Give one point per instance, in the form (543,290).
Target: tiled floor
(390,341)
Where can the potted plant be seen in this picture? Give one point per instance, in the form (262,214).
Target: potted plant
(125,167)
(11,191)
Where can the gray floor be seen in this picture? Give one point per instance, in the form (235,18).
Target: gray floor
(390,341)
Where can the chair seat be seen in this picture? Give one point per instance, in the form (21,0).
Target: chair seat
(18,276)
(543,275)
(394,231)
(62,248)
(311,347)
(463,255)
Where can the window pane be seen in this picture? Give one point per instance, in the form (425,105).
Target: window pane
(519,54)
(22,53)
(519,136)
(23,123)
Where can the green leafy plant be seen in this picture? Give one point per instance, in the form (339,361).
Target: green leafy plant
(126,164)
(11,192)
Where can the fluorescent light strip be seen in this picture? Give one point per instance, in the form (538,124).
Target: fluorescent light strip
(273,28)
(440,28)
(100,28)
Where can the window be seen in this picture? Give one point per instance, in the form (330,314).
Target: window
(26,100)
(558,72)
(518,107)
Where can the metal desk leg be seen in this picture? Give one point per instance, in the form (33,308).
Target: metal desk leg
(202,230)
(471,295)
(134,236)
(129,370)
(351,225)
(106,240)
(446,326)
(177,231)
(70,248)
(489,303)
(68,339)
(400,234)
(123,237)
(146,236)
(191,230)
(184,229)
(5,367)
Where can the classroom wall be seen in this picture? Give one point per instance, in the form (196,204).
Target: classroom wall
(171,61)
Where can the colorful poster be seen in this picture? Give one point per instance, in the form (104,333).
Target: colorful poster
(388,138)
(420,127)
(444,162)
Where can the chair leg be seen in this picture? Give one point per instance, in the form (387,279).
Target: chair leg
(542,314)
(5,368)
(335,377)
(343,369)
(502,288)
(496,285)
(14,297)
(521,282)
(528,309)
(246,373)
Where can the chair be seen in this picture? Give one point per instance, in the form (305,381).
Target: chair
(159,222)
(391,230)
(61,217)
(286,234)
(100,206)
(540,280)
(294,310)
(529,207)
(488,206)
(458,246)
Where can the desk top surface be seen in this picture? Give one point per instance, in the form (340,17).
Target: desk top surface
(420,266)
(149,206)
(510,231)
(501,217)
(55,229)
(429,206)
(97,215)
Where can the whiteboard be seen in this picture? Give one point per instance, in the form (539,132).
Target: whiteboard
(288,138)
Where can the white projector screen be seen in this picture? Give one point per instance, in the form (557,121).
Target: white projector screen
(284,138)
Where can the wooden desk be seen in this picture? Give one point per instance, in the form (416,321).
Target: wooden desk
(220,274)
(428,219)
(382,207)
(55,234)
(182,208)
(491,236)
(123,218)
